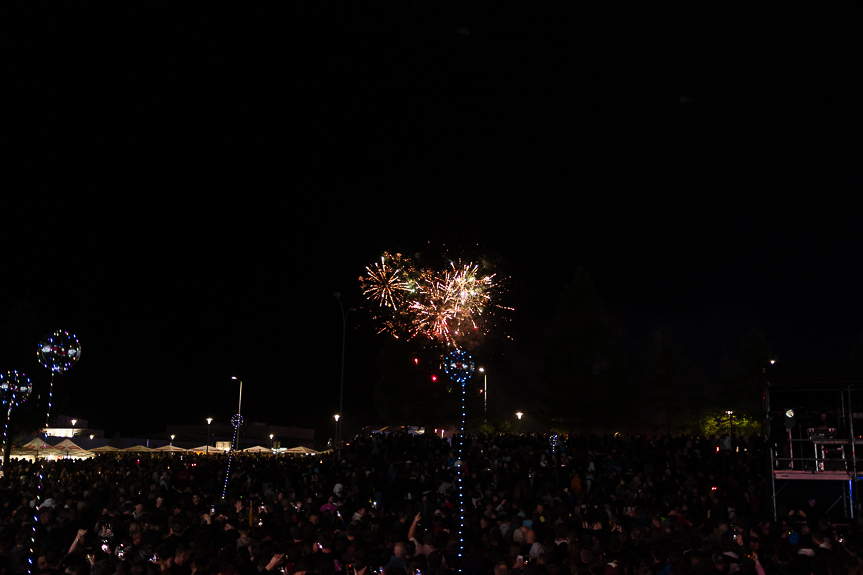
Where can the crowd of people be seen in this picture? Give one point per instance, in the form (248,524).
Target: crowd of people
(532,505)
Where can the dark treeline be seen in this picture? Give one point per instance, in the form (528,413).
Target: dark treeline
(583,378)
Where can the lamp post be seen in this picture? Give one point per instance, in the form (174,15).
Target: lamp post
(342,381)
(730,415)
(209,421)
(484,395)
(239,415)
(172,439)
(271,441)
(519,414)
(336,417)
(74,421)
(240,404)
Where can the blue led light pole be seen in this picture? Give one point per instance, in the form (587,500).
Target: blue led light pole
(459,366)
(342,381)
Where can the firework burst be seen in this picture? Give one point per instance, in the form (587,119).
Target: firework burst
(451,304)
(385,283)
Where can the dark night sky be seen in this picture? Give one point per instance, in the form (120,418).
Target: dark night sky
(185,190)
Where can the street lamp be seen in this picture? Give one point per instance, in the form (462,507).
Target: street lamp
(209,421)
(336,417)
(240,405)
(342,382)
(172,439)
(239,417)
(74,421)
(271,441)
(519,414)
(484,395)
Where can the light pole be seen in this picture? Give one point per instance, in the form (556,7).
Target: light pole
(484,395)
(519,414)
(342,381)
(336,417)
(239,415)
(271,441)
(172,440)
(240,405)
(209,421)
(74,421)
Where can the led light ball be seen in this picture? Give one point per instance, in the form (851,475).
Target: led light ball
(58,351)
(15,387)
(458,365)
(237,420)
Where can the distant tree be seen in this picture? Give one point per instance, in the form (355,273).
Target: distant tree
(580,380)
(719,421)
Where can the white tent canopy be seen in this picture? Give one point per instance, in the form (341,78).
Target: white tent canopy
(171,448)
(68,446)
(36,448)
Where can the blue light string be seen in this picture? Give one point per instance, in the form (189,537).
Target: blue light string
(12,384)
(461,504)
(237,420)
(57,356)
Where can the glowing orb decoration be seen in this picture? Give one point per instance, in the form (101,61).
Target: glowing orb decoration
(15,388)
(458,365)
(59,351)
(237,420)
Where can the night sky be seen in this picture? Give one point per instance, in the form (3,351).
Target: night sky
(184,191)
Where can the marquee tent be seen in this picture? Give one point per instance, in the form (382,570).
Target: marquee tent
(67,445)
(171,448)
(36,448)
(71,450)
